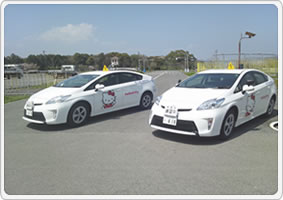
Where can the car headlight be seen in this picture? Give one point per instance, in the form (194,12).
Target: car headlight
(158,99)
(211,104)
(58,99)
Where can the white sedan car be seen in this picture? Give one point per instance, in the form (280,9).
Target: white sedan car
(89,94)
(213,102)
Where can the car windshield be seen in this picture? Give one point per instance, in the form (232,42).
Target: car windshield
(77,81)
(218,81)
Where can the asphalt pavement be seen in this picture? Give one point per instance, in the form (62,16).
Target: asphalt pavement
(120,154)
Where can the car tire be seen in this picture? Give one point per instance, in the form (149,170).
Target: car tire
(78,114)
(228,125)
(146,100)
(270,107)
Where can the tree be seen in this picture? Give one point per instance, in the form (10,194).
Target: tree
(90,60)
(13,59)
(124,60)
(134,61)
(100,60)
(80,59)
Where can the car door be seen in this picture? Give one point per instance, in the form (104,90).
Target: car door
(262,93)
(245,100)
(131,87)
(110,97)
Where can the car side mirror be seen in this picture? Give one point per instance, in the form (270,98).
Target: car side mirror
(99,87)
(179,81)
(247,88)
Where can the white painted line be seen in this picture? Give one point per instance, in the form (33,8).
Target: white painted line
(159,75)
(272,125)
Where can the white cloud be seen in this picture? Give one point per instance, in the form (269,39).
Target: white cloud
(69,33)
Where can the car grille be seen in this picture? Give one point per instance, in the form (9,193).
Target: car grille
(180,109)
(38,116)
(182,125)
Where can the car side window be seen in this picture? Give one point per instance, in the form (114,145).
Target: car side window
(108,80)
(128,77)
(260,78)
(247,79)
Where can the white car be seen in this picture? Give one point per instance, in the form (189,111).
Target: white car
(89,94)
(213,102)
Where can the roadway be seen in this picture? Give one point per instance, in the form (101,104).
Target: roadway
(120,154)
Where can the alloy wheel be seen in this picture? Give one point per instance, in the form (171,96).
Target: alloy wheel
(146,100)
(79,114)
(229,124)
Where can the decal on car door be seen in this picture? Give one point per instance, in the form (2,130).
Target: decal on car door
(108,99)
(129,93)
(250,105)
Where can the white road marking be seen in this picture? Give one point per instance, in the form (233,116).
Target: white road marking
(159,75)
(272,125)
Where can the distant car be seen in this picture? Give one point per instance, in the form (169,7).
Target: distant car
(213,102)
(89,94)
(13,70)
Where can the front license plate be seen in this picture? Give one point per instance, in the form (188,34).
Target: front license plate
(29,113)
(170,120)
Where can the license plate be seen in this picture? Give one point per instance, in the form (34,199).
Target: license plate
(29,113)
(170,120)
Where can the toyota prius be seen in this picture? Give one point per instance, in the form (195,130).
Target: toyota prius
(88,94)
(213,102)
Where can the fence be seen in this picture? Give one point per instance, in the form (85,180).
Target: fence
(29,83)
(267,63)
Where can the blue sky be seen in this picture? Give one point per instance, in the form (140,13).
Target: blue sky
(152,30)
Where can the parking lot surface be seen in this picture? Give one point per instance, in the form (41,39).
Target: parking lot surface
(120,154)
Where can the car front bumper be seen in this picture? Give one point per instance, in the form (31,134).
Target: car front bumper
(47,114)
(205,123)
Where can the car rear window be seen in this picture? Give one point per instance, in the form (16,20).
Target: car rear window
(128,77)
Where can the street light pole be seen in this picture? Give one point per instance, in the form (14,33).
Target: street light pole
(250,35)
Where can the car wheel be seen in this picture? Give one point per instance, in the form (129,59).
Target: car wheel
(270,107)
(228,125)
(146,100)
(78,114)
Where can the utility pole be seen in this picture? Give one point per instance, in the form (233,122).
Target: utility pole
(139,64)
(143,59)
(187,67)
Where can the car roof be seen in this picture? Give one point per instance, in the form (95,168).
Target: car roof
(225,71)
(108,72)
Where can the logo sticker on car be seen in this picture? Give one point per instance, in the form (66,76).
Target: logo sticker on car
(129,93)
(108,99)
(250,105)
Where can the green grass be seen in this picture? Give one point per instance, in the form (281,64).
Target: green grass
(190,73)
(41,86)
(12,98)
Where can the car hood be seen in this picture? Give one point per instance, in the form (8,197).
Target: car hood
(189,98)
(51,92)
